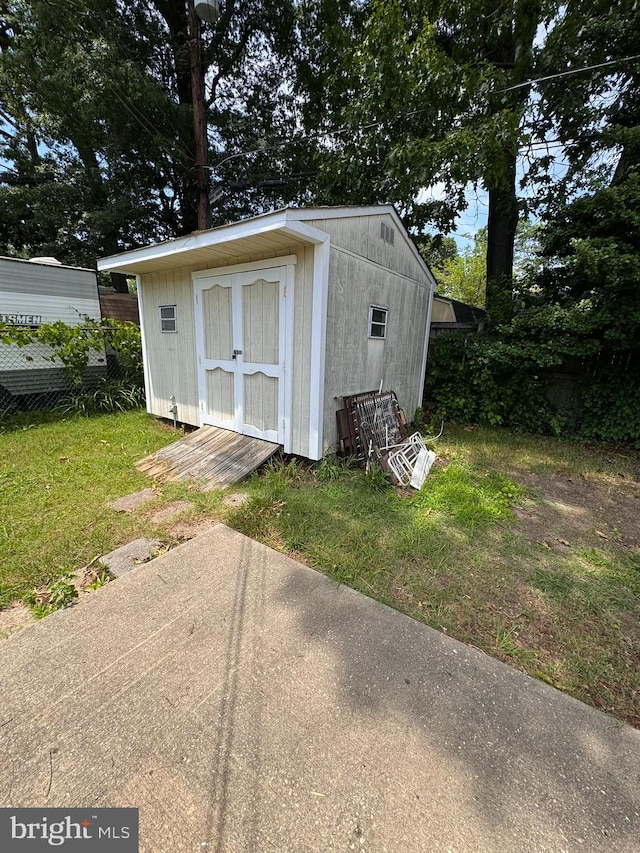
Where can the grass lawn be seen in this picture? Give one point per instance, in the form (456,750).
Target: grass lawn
(56,479)
(525,547)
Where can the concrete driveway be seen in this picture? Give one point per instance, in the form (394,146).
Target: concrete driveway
(245,703)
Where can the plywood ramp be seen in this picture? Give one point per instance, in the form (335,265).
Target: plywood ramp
(210,456)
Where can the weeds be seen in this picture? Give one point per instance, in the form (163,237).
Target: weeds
(332,467)
(97,577)
(59,593)
(110,396)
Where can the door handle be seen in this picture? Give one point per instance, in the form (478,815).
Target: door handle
(236,352)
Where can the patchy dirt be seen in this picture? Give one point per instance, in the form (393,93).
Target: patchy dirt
(236,499)
(13,619)
(183,530)
(169,511)
(583,508)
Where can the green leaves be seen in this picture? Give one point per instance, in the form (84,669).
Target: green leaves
(73,345)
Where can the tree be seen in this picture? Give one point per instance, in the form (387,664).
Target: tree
(435,96)
(592,258)
(440,93)
(436,249)
(590,112)
(97,131)
(464,277)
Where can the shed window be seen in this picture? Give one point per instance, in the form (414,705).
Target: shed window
(168,318)
(377,322)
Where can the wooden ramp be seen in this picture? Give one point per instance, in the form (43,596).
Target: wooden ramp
(210,456)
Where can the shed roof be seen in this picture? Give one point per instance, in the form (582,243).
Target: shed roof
(269,232)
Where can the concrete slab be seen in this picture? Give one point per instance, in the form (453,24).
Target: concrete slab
(245,703)
(129,556)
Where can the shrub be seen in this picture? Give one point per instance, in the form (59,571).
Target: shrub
(503,378)
(110,395)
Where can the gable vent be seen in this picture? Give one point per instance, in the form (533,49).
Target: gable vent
(387,233)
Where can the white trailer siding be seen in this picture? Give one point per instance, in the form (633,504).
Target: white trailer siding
(32,294)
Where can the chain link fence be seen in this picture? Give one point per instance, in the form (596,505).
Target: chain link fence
(34,377)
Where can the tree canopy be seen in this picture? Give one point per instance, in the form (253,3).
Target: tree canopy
(96,118)
(325,101)
(479,93)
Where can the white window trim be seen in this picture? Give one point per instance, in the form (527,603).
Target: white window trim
(175,319)
(373,308)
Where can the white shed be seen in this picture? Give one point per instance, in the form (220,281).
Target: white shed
(262,326)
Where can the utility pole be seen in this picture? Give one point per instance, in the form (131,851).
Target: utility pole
(199,119)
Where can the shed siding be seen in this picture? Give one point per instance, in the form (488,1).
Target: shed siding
(361,235)
(171,357)
(356,363)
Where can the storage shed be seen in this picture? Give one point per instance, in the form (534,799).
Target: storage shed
(264,325)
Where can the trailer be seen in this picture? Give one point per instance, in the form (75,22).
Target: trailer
(33,293)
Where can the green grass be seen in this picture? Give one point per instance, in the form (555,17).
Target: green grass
(452,555)
(56,479)
(498,450)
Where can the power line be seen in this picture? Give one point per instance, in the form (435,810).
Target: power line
(348,129)
(560,74)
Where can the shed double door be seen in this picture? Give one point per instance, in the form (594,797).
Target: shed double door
(241,351)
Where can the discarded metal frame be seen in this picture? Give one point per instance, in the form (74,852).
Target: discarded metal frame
(372,428)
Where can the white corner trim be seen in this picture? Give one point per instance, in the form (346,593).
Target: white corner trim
(145,356)
(269,263)
(425,350)
(321,255)
(287,379)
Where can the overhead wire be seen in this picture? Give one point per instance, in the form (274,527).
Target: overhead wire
(350,129)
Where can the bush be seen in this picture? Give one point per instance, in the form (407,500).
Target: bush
(612,408)
(503,378)
(483,380)
(110,396)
